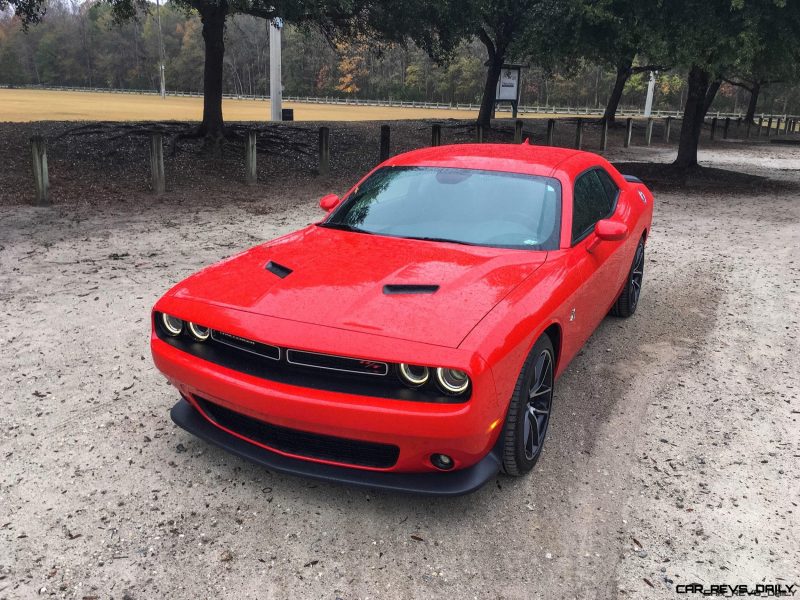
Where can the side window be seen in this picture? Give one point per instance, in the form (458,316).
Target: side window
(608,184)
(590,203)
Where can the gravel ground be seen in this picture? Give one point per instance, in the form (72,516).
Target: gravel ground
(672,455)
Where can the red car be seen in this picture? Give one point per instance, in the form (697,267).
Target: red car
(412,338)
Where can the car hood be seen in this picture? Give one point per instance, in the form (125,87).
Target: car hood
(338,279)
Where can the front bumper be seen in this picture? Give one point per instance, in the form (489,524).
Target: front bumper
(450,483)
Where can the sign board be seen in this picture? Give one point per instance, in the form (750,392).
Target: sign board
(508,85)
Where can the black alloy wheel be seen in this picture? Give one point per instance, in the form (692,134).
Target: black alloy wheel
(628,300)
(529,412)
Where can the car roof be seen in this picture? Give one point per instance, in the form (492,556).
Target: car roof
(513,158)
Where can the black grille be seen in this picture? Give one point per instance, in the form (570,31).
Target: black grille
(336,363)
(241,343)
(303,443)
(306,369)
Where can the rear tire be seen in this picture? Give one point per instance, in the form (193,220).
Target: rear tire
(628,300)
(529,411)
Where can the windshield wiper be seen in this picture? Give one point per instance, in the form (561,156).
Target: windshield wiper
(344,227)
(438,239)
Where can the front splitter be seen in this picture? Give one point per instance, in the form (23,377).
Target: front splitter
(453,483)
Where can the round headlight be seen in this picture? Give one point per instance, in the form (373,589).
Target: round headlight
(452,381)
(414,375)
(199,332)
(172,325)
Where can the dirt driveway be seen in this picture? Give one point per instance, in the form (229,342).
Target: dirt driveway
(672,458)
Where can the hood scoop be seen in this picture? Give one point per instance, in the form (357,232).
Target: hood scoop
(278,269)
(399,289)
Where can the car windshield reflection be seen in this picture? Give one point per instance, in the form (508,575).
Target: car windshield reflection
(464,206)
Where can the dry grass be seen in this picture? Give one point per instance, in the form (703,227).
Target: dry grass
(19,106)
(23,106)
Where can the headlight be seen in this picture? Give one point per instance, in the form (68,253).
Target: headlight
(452,381)
(414,375)
(199,332)
(172,325)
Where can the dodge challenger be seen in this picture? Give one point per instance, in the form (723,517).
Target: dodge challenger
(411,339)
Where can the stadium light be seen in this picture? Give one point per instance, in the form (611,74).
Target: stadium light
(275,87)
(161,68)
(651,86)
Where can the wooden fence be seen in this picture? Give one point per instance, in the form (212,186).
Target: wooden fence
(728,127)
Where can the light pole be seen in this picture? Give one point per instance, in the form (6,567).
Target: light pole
(651,86)
(163,86)
(275,88)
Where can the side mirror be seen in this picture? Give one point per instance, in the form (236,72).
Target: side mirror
(329,202)
(607,231)
(611,231)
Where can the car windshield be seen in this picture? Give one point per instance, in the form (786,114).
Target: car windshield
(465,206)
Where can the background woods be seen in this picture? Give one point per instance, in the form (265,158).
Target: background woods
(81,44)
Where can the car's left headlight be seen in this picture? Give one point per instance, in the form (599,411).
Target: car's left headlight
(200,333)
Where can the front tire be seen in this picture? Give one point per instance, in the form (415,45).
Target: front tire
(628,300)
(529,411)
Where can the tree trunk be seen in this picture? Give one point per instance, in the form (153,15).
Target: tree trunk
(693,115)
(213,17)
(753,104)
(489,90)
(623,73)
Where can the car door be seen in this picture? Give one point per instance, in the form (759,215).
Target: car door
(596,264)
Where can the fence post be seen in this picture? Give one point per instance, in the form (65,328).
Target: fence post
(628,132)
(324,150)
(479,133)
(578,133)
(518,131)
(250,159)
(760,125)
(648,132)
(384,143)
(436,135)
(769,126)
(603,134)
(786,127)
(778,126)
(667,127)
(713,128)
(40,176)
(725,128)
(551,126)
(157,163)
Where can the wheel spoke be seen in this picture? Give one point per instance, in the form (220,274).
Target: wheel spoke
(540,397)
(540,392)
(532,438)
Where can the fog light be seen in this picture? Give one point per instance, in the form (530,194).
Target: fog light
(442,461)
(199,332)
(173,325)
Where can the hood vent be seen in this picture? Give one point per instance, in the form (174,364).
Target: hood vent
(393,289)
(277,269)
